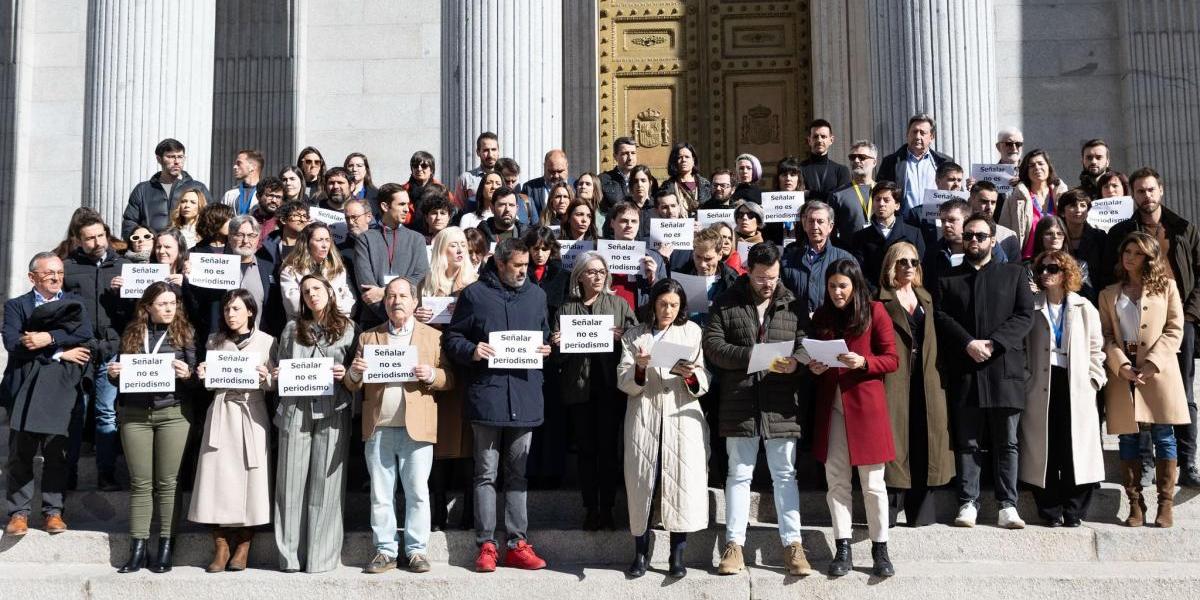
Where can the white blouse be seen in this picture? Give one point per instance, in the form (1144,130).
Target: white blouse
(1129,317)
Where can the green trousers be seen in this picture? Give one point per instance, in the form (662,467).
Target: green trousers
(154,441)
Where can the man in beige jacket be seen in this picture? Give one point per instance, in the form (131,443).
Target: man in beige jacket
(400,423)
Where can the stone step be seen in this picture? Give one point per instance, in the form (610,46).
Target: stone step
(1092,542)
(924,580)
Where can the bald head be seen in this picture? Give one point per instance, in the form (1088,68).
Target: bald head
(555,167)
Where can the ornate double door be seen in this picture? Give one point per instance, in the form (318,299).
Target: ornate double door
(728,76)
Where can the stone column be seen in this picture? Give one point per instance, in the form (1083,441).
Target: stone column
(149,77)
(1161,104)
(938,57)
(503,72)
(581,109)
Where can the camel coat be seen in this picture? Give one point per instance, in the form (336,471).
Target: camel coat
(1162,400)
(1018,211)
(233,471)
(664,413)
(420,406)
(1084,342)
(898,473)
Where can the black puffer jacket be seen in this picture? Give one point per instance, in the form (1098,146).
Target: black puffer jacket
(149,206)
(763,403)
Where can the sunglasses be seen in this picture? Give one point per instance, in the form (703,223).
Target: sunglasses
(862,157)
(1014,144)
(1049,269)
(907,263)
(141,238)
(981,236)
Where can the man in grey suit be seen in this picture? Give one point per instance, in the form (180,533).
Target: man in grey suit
(852,204)
(386,251)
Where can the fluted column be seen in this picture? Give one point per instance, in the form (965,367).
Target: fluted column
(1162,108)
(150,77)
(503,69)
(938,57)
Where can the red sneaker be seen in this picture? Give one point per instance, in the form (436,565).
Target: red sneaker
(486,561)
(523,557)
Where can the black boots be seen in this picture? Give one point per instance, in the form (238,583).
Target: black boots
(162,562)
(641,555)
(675,567)
(883,565)
(137,557)
(842,562)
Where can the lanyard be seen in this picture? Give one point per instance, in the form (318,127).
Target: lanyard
(243,199)
(865,203)
(1056,327)
(391,248)
(146,342)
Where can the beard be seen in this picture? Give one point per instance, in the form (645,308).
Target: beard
(976,255)
(244,252)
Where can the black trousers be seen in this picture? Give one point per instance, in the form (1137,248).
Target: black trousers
(641,543)
(596,426)
(23,446)
(1185,435)
(917,501)
(1060,497)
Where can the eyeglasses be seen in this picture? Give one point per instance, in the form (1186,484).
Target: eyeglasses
(141,238)
(1050,269)
(861,157)
(722,185)
(244,236)
(1014,144)
(173,156)
(764,280)
(298,218)
(595,273)
(49,274)
(981,236)
(352,217)
(311,161)
(907,263)
(421,165)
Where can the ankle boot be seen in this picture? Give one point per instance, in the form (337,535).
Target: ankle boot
(675,564)
(220,550)
(241,553)
(137,556)
(1131,479)
(843,561)
(437,511)
(883,565)
(163,561)
(1165,472)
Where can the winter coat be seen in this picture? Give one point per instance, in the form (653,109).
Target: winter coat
(581,373)
(807,281)
(149,206)
(497,397)
(663,414)
(41,393)
(93,283)
(1161,401)
(1183,253)
(1083,340)
(1018,210)
(703,191)
(864,399)
(763,403)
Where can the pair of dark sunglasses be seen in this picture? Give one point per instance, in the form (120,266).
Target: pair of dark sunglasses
(907,263)
(1048,270)
(982,236)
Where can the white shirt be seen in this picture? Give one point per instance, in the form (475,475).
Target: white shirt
(1129,317)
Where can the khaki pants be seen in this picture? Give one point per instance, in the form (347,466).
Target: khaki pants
(153,440)
(837,476)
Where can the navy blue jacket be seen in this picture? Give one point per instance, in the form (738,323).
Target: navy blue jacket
(807,282)
(497,397)
(60,381)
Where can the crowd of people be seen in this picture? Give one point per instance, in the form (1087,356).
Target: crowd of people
(424,337)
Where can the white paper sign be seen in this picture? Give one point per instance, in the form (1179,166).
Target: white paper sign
(147,373)
(744,251)
(1107,212)
(326,216)
(715,215)
(515,349)
(999,175)
(231,370)
(215,271)
(135,278)
(569,251)
(763,355)
(782,207)
(664,355)
(440,305)
(389,364)
(306,376)
(934,199)
(826,351)
(623,257)
(676,232)
(582,334)
(695,287)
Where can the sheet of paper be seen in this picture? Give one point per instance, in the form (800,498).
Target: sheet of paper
(135,278)
(389,364)
(306,376)
(997,174)
(515,349)
(583,334)
(664,355)
(826,351)
(762,355)
(1107,212)
(326,216)
(934,199)
(569,251)
(676,232)
(440,305)
(143,373)
(623,257)
(782,207)
(215,271)
(695,287)
(231,370)
(715,215)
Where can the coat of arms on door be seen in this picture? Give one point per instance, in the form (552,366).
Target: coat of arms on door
(650,129)
(760,126)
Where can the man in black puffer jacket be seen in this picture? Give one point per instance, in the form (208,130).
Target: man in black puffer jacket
(151,201)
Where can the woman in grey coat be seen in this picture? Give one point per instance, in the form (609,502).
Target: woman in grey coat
(313,436)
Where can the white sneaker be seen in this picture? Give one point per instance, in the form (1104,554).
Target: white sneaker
(966,515)
(1009,519)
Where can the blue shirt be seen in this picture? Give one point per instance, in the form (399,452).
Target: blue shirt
(920,174)
(38,300)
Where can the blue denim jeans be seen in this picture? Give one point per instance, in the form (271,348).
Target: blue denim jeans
(781,461)
(392,454)
(105,400)
(1164,443)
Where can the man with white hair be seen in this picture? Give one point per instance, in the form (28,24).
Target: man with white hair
(852,204)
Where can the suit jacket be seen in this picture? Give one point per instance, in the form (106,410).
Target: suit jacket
(372,265)
(869,246)
(888,168)
(993,303)
(849,216)
(420,402)
(39,392)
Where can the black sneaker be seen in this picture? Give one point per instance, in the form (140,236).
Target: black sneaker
(107,482)
(381,563)
(1189,476)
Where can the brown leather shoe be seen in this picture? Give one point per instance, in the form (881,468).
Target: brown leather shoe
(18,525)
(220,550)
(55,524)
(241,551)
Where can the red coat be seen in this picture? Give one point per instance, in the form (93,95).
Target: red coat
(864,397)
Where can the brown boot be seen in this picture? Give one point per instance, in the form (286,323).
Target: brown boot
(241,554)
(1165,473)
(220,550)
(1131,478)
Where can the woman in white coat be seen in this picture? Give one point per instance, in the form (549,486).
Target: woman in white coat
(666,436)
(314,254)
(233,486)
(1060,428)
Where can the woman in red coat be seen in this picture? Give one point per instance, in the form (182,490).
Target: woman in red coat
(852,426)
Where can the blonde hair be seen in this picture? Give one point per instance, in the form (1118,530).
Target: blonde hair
(177,219)
(887,276)
(436,283)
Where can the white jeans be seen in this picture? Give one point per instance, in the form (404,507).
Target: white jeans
(781,459)
(837,476)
